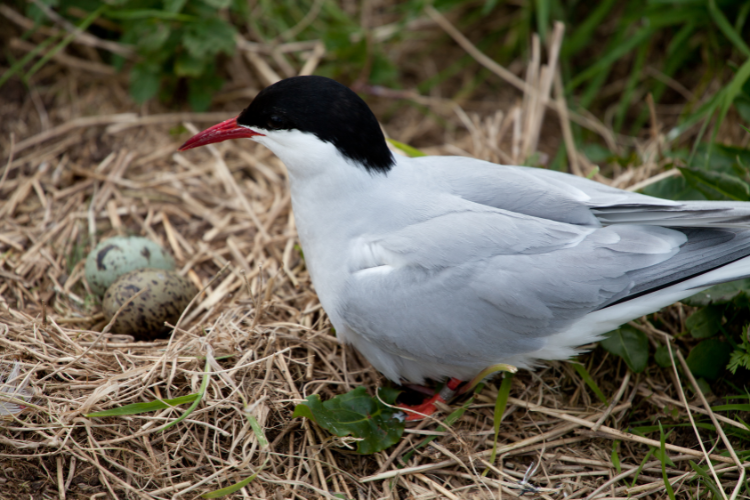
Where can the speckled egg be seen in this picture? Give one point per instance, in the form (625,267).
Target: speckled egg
(166,296)
(119,255)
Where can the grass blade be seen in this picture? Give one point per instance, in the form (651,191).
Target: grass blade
(584,374)
(138,408)
(25,59)
(501,403)
(201,392)
(410,151)
(581,36)
(721,21)
(641,466)
(230,489)
(707,480)
(615,457)
(262,441)
(731,92)
(64,42)
(663,460)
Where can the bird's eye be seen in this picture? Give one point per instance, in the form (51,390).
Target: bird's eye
(275,122)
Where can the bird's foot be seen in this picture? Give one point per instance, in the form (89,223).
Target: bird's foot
(428,407)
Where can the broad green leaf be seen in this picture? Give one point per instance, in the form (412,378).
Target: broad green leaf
(661,356)
(137,408)
(719,294)
(152,37)
(719,157)
(189,66)
(201,90)
(359,415)
(709,358)
(717,185)
(705,322)
(673,188)
(208,37)
(144,82)
(630,344)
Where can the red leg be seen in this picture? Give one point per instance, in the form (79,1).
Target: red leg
(420,411)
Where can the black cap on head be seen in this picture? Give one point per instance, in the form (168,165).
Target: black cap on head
(326,108)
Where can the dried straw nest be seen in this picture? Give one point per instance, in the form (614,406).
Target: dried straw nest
(224,212)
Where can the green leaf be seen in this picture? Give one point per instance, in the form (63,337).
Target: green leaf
(187,65)
(151,37)
(631,345)
(705,322)
(741,355)
(144,82)
(137,408)
(709,358)
(201,90)
(717,185)
(719,294)
(208,37)
(359,415)
(673,188)
(661,356)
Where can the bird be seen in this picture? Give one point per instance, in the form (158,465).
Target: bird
(442,267)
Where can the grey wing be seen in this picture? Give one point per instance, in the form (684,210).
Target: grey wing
(567,198)
(458,289)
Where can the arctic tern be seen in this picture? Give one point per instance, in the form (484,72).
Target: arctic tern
(442,266)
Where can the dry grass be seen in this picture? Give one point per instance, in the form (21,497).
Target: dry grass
(88,168)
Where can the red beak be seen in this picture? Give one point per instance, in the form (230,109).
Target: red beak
(218,133)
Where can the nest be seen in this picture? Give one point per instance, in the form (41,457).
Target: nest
(96,169)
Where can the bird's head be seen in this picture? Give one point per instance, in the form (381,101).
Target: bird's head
(294,114)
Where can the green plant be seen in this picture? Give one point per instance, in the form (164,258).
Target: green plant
(174,40)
